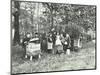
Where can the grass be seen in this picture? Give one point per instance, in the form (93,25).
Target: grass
(84,59)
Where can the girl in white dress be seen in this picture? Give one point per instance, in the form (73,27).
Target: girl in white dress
(58,41)
(58,44)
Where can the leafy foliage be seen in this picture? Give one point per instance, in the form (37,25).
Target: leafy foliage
(73,18)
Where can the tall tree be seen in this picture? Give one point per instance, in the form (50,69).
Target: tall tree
(51,9)
(16,22)
(27,18)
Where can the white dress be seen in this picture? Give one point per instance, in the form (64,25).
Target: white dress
(58,41)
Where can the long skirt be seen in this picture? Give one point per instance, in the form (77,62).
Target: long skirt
(58,48)
(44,45)
(65,47)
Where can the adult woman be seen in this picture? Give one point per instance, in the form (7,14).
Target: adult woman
(25,42)
(50,42)
(43,42)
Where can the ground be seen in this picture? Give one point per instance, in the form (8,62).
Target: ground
(84,59)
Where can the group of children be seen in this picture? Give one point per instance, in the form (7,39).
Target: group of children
(61,41)
(54,41)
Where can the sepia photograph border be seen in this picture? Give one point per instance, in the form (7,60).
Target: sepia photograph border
(51,71)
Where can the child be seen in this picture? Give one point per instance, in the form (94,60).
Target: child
(66,43)
(58,44)
(58,41)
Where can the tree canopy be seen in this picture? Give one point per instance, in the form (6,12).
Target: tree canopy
(75,19)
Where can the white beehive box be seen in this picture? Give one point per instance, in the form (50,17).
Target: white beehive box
(33,48)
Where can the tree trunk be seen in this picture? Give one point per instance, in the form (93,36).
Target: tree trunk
(72,44)
(13,33)
(51,16)
(16,23)
(78,42)
(51,19)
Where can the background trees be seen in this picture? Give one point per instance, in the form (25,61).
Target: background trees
(36,17)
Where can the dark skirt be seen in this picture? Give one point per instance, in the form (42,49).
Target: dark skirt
(65,47)
(44,45)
